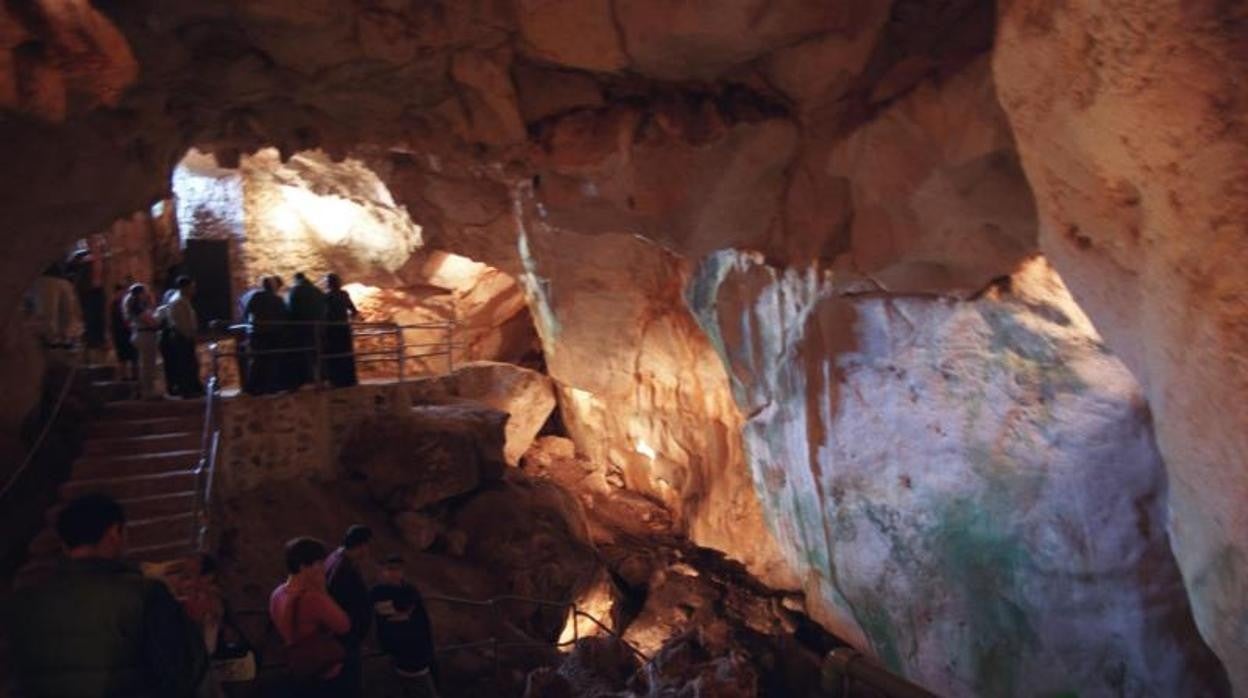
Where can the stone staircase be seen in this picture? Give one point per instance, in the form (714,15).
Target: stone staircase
(143,453)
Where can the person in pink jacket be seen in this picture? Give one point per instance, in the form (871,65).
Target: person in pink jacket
(301,607)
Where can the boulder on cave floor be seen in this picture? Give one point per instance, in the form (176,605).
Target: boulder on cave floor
(527,396)
(428,455)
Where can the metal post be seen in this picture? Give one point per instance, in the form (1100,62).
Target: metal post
(450,343)
(400,350)
(317,328)
(216,362)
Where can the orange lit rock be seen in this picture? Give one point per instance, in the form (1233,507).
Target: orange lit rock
(526,396)
(1133,143)
(939,200)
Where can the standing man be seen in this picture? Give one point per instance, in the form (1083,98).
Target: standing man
(306,305)
(182,326)
(265,314)
(403,630)
(345,581)
(99,627)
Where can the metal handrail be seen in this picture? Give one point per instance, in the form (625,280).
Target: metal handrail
(492,642)
(205,470)
(43,434)
(570,605)
(399,355)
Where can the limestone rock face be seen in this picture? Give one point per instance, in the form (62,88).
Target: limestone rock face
(599,150)
(971,487)
(534,534)
(702,39)
(689,180)
(526,396)
(1137,165)
(429,455)
(641,391)
(939,201)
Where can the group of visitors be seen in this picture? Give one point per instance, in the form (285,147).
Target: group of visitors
(285,336)
(66,303)
(170,328)
(99,627)
(324,611)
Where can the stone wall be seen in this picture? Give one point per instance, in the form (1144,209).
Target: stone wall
(293,436)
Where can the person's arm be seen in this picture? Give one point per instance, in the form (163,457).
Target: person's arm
(352,312)
(330,614)
(173,654)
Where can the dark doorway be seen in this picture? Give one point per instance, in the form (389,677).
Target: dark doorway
(208,262)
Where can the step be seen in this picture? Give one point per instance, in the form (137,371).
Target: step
(131,487)
(114,391)
(99,372)
(140,533)
(149,426)
(143,507)
(95,467)
(144,409)
(147,443)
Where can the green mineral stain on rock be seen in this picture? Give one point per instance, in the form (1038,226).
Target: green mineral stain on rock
(991,564)
(872,615)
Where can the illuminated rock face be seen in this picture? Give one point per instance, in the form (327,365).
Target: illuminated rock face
(1140,186)
(600,151)
(971,487)
(315,216)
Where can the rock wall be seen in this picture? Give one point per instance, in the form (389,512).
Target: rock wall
(641,391)
(971,487)
(1130,121)
(602,149)
(276,438)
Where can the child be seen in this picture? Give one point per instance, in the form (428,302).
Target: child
(403,628)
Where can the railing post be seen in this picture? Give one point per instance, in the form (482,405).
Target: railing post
(317,329)
(400,349)
(215,362)
(450,344)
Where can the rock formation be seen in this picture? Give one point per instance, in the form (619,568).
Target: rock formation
(1137,162)
(765,248)
(528,397)
(1009,502)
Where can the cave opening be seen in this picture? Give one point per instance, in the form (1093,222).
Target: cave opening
(774,333)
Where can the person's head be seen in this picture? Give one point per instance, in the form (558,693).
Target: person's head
(277,283)
(392,570)
(301,278)
(92,526)
(356,541)
(305,559)
(333,281)
(186,286)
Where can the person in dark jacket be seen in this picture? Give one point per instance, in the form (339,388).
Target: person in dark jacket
(306,305)
(266,313)
(403,629)
(339,347)
(127,353)
(99,627)
(344,579)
